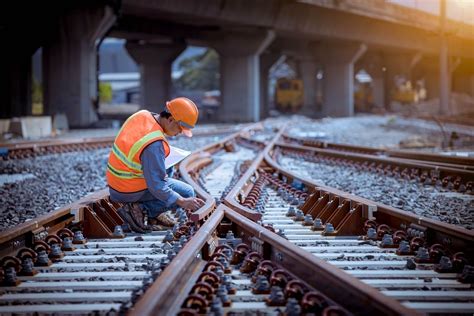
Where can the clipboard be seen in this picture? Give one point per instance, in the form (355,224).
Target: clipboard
(175,156)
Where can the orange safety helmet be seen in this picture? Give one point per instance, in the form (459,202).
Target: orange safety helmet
(185,112)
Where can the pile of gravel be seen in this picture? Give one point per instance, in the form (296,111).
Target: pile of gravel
(423,200)
(35,186)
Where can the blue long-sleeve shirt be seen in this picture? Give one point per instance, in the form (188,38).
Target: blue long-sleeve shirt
(153,163)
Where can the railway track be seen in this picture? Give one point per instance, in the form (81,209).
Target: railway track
(414,260)
(247,246)
(28,149)
(406,156)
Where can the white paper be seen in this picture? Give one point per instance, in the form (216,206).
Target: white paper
(175,156)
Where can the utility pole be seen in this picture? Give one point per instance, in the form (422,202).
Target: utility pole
(444,74)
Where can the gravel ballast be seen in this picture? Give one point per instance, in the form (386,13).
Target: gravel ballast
(411,196)
(35,186)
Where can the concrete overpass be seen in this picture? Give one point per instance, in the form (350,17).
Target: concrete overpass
(333,35)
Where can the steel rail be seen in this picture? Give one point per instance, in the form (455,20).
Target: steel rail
(198,160)
(428,158)
(441,172)
(343,288)
(457,239)
(460,237)
(160,298)
(242,187)
(42,147)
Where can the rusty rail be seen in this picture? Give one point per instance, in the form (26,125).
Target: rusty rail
(198,160)
(466,163)
(161,297)
(341,287)
(433,171)
(460,237)
(242,186)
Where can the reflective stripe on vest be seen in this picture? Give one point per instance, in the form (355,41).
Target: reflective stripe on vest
(124,169)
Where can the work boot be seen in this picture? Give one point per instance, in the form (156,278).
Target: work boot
(164,220)
(127,218)
(137,214)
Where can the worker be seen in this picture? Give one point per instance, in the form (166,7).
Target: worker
(136,173)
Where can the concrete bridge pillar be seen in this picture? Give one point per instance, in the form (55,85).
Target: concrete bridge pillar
(70,64)
(373,65)
(308,71)
(267,60)
(155,60)
(338,64)
(240,74)
(15,85)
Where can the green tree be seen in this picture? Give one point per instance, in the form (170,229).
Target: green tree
(105,92)
(200,72)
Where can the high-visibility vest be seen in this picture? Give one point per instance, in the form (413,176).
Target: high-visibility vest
(124,169)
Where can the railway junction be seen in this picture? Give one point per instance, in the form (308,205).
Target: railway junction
(312,207)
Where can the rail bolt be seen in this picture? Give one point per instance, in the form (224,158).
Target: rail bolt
(217,307)
(398,236)
(295,289)
(299,215)
(436,252)
(262,286)
(404,248)
(467,275)
(27,257)
(422,255)
(308,220)
(251,262)
(223,295)
(203,289)
(276,298)
(212,266)
(291,212)
(79,238)
(279,278)
(265,268)
(445,265)
(209,277)
(240,252)
(387,241)
(225,249)
(292,307)
(317,224)
(382,230)
(328,229)
(459,261)
(416,243)
(195,302)
(313,302)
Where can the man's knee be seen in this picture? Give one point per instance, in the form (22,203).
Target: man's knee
(188,191)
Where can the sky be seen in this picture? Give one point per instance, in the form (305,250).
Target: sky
(462,10)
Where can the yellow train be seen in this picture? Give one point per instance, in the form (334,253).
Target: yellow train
(289,95)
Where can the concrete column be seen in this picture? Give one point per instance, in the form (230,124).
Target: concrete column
(338,64)
(372,63)
(155,60)
(444,75)
(70,63)
(267,60)
(378,90)
(15,85)
(240,74)
(308,70)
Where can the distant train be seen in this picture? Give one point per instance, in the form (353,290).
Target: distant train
(289,95)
